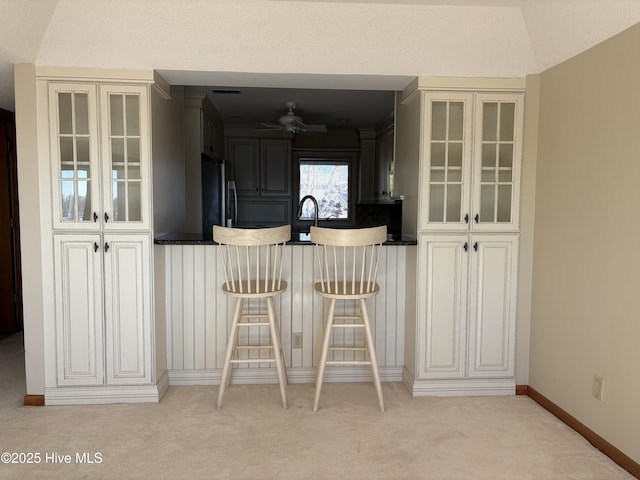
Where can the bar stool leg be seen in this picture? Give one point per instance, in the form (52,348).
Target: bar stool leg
(372,352)
(325,349)
(277,351)
(281,348)
(226,369)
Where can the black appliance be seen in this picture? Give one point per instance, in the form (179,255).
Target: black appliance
(219,201)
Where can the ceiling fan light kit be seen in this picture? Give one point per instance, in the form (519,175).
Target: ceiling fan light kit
(290,122)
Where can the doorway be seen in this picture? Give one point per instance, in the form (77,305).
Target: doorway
(10,274)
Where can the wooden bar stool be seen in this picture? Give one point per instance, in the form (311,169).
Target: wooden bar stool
(348,264)
(252,262)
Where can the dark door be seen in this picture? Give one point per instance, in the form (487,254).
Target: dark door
(10,276)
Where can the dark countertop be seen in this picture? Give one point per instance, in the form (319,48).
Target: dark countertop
(296,239)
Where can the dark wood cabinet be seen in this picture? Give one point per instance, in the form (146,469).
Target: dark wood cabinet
(261,169)
(275,167)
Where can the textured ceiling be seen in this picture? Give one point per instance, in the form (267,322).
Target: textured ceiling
(370,44)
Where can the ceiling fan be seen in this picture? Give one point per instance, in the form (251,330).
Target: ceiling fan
(290,122)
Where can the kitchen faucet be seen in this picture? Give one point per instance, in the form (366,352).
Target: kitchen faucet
(315,207)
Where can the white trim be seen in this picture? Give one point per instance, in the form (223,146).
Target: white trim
(71,74)
(246,376)
(161,86)
(458,387)
(472,84)
(104,395)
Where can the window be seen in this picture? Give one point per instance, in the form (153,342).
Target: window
(330,178)
(328,182)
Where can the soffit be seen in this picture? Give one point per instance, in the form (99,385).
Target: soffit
(306,41)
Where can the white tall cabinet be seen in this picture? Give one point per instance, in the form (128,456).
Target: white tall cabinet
(466,277)
(100,159)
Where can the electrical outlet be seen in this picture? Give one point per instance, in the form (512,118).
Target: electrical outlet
(598,387)
(297,340)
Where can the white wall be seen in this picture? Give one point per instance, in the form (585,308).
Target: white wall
(407,158)
(32,206)
(168,161)
(527,217)
(193,163)
(586,270)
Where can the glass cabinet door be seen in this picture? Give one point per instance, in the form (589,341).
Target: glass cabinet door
(125,151)
(497,160)
(447,166)
(74,153)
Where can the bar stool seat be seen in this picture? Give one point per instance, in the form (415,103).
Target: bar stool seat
(348,266)
(252,261)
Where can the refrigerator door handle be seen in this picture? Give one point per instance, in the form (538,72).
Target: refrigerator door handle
(232,191)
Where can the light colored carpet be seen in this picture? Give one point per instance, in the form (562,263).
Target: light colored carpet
(253,437)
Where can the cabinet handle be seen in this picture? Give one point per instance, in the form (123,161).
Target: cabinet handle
(106,246)
(475,246)
(95,217)
(106,217)
(95,246)
(466,218)
(477,218)
(466,247)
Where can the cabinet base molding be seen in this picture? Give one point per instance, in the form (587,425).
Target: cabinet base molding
(107,394)
(463,387)
(34,400)
(294,375)
(592,437)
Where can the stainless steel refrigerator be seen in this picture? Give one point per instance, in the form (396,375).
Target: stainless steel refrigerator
(219,199)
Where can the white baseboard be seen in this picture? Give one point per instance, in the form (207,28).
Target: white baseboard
(294,375)
(105,394)
(464,387)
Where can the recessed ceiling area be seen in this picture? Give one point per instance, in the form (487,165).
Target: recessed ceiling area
(333,108)
(288,40)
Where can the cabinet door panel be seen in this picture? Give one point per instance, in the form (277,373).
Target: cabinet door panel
(492,305)
(261,212)
(125,157)
(442,306)
(74,155)
(497,150)
(128,309)
(78,272)
(244,159)
(275,161)
(446,163)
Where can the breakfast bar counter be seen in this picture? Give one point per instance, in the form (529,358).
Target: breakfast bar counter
(196,314)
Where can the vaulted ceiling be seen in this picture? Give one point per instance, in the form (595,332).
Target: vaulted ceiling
(364,44)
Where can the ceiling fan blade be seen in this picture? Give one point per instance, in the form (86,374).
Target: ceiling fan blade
(315,128)
(270,127)
(275,126)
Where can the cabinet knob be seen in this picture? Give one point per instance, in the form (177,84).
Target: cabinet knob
(475,246)
(106,247)
(477,218)
(466,218)
(466,246)
(95,246)
(95,217)
(106,217)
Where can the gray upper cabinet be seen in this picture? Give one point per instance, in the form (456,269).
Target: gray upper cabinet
(212,136)
(384,161)
(245,165)
(261,167)
(275,167)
